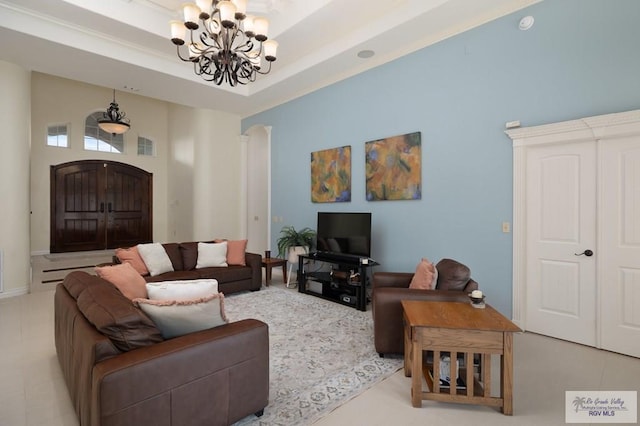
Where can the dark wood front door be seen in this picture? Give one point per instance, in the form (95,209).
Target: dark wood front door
(97,205)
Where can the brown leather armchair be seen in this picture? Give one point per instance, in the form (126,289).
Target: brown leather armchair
(389,288)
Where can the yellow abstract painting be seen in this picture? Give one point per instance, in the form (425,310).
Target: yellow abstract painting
(393,168)
(331,175)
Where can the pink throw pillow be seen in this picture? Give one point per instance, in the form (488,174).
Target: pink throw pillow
(132,256)
(125,278)
(426,276)
(235,251)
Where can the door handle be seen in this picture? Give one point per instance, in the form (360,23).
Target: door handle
(587,253)
(101,207)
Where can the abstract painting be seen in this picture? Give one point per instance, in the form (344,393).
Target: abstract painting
(393,168)
(331,175)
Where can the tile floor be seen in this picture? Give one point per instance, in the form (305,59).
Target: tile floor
(32,391)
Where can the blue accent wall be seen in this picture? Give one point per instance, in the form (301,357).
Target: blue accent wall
(581,58)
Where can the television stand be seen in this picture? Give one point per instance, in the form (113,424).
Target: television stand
(340,279)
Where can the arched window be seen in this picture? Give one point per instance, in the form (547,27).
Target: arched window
(96,139)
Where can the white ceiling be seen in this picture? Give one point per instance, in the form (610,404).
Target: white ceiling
(124,44)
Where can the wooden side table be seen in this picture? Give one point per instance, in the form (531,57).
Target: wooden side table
(458,328)
(269,262)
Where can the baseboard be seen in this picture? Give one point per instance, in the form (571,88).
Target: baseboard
(14,292)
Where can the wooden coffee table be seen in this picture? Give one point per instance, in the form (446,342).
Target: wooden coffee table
(460,330)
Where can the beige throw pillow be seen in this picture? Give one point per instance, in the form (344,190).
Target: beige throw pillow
(182,290)
(212,254)
(155,258)
(178,317)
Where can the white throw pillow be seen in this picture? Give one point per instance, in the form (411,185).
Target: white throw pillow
(182,290)
(178,317)
(155,258)
(212,254)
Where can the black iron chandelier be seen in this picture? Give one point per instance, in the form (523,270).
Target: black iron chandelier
(113,120)
(224,43)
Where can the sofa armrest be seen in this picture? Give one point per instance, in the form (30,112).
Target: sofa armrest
(392,279)
(254,261)
(220,373)
(387,313)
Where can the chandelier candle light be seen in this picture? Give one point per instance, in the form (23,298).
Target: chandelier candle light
(224,43)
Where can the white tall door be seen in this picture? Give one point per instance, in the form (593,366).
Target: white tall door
(620,242)
(560,224)
(258,187)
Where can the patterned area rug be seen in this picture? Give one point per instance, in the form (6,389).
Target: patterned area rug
(321,353)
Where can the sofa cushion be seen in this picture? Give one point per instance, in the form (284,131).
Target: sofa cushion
(175,255)
(225,274)
(156,258)
(132,256)
(425,277)
(212,254)
(77,281)
(178,317)
(175,276)
(116,317)
(181,290)
(189,253)
(452,275)
(125,278)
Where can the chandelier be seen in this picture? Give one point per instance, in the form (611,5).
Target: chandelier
(224,43)
(113,120)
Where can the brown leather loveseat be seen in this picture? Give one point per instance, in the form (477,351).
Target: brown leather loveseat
(389,288)
(120,371)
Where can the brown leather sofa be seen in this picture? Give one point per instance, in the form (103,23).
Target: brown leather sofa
(120,372)
(231,279)
(389,288)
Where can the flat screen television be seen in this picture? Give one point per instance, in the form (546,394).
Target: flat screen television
(344,233)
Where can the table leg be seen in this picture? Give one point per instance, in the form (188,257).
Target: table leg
(267,275)
(407,350)
(416,369)
(284,272)
(506,385)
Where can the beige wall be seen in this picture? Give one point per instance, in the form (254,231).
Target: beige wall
(195,170)
(206,153)
(56,100)
(14,178)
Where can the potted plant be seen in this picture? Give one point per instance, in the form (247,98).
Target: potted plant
(292,243)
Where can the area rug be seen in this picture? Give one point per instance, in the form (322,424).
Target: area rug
(321,353)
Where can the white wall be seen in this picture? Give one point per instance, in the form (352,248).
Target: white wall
(205,159)
(14,177)
(180,186)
